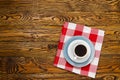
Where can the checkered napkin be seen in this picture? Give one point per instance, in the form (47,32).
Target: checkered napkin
(95,35)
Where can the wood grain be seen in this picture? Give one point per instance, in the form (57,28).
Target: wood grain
(30,31)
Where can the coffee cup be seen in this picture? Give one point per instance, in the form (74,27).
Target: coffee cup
(80,50)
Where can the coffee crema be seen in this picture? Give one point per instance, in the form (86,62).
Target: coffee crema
(80,50)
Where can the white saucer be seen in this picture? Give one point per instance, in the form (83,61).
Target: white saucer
(68,56)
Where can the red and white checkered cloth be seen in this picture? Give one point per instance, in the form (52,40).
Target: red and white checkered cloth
(95,35)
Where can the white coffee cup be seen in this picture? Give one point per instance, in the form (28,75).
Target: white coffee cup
(72,54)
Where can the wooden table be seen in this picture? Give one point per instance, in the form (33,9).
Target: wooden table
(30,31)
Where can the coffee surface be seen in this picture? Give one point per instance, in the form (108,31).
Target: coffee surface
(80,50)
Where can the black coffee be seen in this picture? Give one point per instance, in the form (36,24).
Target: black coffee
(80,50)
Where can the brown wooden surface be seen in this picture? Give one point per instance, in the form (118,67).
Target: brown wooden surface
(30,31)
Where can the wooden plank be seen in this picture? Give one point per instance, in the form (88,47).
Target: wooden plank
(40,18)
(37,48)
(67,76)
(44,64)
(37,13)
(42,33)
(66,5)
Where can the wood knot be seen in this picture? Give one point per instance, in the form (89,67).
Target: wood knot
(31,49)
(23,60)
(109,77)
(34,36)
(52,46)
(117,33)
